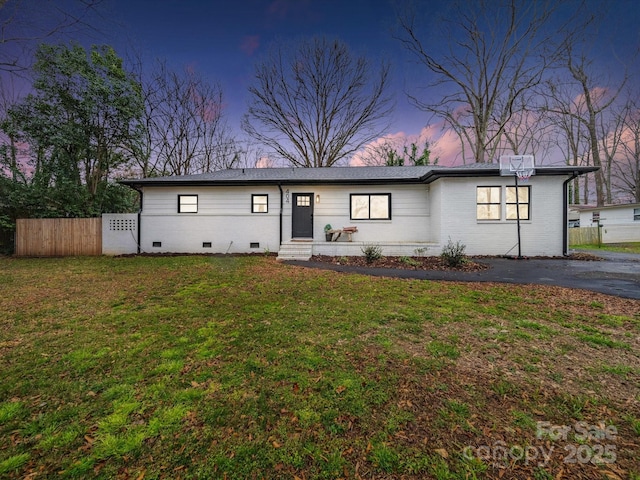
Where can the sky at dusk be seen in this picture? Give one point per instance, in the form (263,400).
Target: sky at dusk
(222,39)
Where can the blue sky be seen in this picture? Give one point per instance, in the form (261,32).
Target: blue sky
(222,39)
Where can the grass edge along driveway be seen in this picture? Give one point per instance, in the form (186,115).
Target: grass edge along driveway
(241,367)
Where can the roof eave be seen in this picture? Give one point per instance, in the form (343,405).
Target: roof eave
(493,172)
(429,177)
(246,183)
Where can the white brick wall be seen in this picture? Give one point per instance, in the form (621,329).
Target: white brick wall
(420,214)
(541,236)
(119,233)
(224,219)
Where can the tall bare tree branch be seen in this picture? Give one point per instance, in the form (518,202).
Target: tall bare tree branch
(497,51)
(26,23)
(584,98)
(185,127)
(316,103)
(626,170)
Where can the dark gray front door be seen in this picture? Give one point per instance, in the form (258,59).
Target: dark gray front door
(302,215)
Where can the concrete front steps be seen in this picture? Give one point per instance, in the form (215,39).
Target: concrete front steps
(296,250)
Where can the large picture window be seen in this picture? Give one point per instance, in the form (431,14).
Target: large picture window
(259,203)
(371,206)
(523,203)
(488,203)
(187,203)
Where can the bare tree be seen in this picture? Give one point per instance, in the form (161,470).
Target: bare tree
(26,23)
(185,128)
(627,169)
(317,103)
(583,98)
(574,144)
(497,51)
(528,130)
(382,151)
(610,136)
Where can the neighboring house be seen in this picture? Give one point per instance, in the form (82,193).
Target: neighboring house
(620,223)
(404,210)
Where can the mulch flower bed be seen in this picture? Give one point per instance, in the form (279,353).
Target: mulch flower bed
(407,263)
(430,263)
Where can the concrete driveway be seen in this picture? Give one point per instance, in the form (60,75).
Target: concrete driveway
(616,274)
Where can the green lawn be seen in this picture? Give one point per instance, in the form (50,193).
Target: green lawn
(241,367)
(632,247)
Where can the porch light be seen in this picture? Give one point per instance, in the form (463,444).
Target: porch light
(317,198)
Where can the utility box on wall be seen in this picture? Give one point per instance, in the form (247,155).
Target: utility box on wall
(119,233)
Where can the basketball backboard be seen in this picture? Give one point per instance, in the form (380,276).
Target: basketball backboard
(517,165)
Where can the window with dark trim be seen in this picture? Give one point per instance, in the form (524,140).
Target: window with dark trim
(488,203)
(259,203)
(636,214)
(524,197)
(187,203)
(371,206)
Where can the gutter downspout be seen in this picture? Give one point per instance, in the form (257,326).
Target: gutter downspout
(281,208)
(565,214)
(139,190)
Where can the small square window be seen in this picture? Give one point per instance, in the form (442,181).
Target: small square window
(636,214)
(187,203)
(488,203)
(303,201)
(522,204)
(259,203)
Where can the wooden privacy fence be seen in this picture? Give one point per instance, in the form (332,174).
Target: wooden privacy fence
(584,236)
(53,237)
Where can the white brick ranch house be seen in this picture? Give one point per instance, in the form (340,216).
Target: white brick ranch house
(401,209)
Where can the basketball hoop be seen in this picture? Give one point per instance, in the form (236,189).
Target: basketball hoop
(521,167)
(524,175)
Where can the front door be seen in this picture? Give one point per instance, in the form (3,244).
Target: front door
(302,215)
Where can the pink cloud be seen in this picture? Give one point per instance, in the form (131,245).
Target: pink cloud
(444,145)
(363,156)
(597,94)
(264,162)
(250,44)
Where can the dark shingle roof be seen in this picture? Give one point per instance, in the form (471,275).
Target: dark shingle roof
(339,175)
